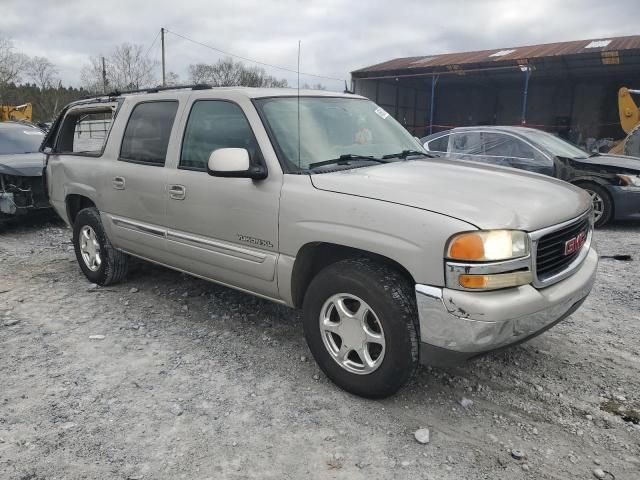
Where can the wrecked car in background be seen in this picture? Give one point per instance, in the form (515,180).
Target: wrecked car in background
(21,186)
(612,181)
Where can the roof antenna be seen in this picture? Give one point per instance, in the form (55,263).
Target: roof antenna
(298,72)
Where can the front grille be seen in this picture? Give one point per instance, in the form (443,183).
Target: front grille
(550,253)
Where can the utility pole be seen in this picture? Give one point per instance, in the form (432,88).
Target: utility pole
(104,76)
(164,82)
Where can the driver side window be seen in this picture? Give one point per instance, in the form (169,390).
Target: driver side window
(215,124)
(512,152)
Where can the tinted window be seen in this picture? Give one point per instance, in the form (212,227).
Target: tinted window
(215,124)
(146,137)
(439,144)
(19,139)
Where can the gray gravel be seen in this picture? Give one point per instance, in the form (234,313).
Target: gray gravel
(170,377)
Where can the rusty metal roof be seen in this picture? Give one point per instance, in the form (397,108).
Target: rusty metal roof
(506,55)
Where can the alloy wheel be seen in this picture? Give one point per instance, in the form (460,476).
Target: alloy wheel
(352,333)
(598,204)
(90,248)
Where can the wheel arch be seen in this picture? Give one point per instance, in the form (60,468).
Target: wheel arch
(584,182)
(315,256)
(75,202)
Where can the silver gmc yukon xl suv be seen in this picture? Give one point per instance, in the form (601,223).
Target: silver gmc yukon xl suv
(323,202)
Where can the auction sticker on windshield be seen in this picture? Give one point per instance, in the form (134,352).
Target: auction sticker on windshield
(381,112)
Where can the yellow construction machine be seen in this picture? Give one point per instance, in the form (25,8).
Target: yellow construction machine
(17,113)
(630,123)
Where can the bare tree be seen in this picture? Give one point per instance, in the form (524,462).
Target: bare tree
(315,86)
(12,63)
(227,73)
(130,68)
(127,67)
(172,79)
(42,72)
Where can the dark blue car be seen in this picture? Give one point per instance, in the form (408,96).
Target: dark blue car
(613,181)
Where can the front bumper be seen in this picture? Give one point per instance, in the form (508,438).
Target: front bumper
(456,325)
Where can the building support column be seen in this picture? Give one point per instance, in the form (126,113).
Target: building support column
(527,74)
(434,81)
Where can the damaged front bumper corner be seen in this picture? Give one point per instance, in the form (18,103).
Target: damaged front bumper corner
(457,325)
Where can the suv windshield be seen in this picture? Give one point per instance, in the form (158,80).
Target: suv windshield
(556,145)
(19,139)
(346,130)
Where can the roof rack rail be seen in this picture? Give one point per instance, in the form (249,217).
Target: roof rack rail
(117,93)
(197,86)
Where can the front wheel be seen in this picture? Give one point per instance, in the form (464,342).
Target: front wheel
(360,323)
(602,204)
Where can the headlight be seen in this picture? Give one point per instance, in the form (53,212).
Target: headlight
(630,180)
(488,245)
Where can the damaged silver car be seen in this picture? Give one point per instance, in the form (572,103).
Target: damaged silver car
(21,186)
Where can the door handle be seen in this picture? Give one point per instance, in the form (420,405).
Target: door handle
(177,192)
(118,183)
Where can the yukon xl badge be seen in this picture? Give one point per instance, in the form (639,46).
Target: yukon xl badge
(574,244)
(258,242)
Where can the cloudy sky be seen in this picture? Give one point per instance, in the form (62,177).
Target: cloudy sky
(337,35)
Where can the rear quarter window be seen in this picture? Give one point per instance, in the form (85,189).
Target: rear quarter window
(85,131)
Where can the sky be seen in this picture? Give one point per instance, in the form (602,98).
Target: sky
(337,36)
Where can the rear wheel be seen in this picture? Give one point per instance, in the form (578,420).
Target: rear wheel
(99,261)
(360,324)
(602,203)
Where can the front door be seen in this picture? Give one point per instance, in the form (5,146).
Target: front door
(224,229)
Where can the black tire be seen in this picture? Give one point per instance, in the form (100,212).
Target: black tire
(392,298)
(114,264)
(607,202)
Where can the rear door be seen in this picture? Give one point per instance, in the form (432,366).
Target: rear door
(225,229)
(133,181)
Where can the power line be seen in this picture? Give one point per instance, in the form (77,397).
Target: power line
(152,44)
(252,60)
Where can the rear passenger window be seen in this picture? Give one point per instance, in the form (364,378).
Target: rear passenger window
(146,137)
(215,124)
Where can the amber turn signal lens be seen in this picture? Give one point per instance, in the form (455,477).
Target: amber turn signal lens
(488,245)
(468,246)
(498,280)
(473,281)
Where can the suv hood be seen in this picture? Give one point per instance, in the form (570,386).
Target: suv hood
(22,164)
(483,195)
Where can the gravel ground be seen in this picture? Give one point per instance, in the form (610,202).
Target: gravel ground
(169,377)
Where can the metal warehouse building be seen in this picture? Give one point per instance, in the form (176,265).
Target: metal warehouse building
(569,88)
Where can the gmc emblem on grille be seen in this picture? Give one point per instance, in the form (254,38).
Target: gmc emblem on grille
(574,244)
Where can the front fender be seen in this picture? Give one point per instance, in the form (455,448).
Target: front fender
(412,237)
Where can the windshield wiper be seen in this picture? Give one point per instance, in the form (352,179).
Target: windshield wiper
(345,159)
(405,153)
